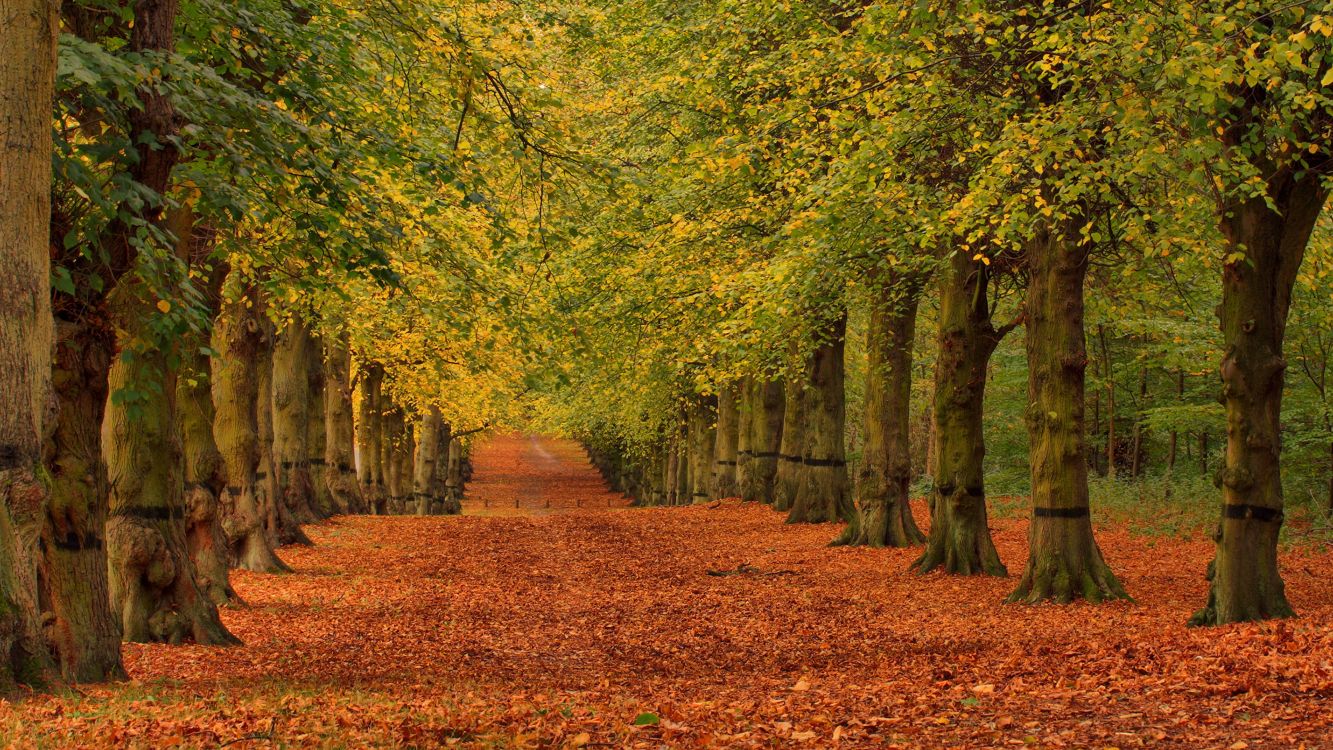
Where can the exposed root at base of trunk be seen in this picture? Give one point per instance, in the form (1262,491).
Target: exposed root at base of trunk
(1063,578)
(881,525)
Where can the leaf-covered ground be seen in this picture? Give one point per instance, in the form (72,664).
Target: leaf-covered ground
(561,626)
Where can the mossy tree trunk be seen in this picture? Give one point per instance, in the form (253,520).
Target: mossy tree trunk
(27,76)
(204,471)
(291,416)
(339,430)
(960,540)
(369,435)
(823,493)
(398,438)
(702,432)
(765,439)
(725,444)
(239,338)
(315,426)
(84,634)
(883,516)
(1064,561)
(154,588)
(790,469)
(1256,298)
(279,523)
(745,413)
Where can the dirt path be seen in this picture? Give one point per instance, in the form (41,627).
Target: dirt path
(557,627)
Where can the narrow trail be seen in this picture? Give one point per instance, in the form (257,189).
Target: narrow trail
(557,626)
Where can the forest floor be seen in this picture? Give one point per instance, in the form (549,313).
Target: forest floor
(566,620)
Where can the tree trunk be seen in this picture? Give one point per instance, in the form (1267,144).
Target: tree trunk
(960,540)
(453,480)
(154,587)
(702,439)
(745,413)
(279,523)
(766,439)
(315,426)
(724,448)
(788,474)
(883,514)
(27,75)
(204,473)
(369,431)
(425,493)
(398,474)
(684,484)
(339,431)
(291,415)
(823,493)
(205,480)
(1110,405)
(1063,559)
(1256,297)
(239,337)
(446,504)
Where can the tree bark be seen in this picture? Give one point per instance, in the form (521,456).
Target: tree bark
(823,493)
(154,587)
(1256,298)
(1064,561)
(291,415)
(279,523)
(339,430)
(703,431)
(883,514)
(369,435)
(315,429)
(725,442)
(27,81)
(745,413)
(788,474)
(239,337)
(765,439)
(204,472)
(960,540)
(425,492)
(398,473)
(453,480)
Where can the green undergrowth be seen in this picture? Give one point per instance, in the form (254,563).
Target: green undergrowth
(1162,506)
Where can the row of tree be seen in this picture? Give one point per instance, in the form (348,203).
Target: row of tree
(243,290)
(790,169)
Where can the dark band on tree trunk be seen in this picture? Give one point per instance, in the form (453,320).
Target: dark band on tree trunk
(1044,512)
(766,454)
(1242,511)
(823,462)
(261,475)
(793,459)
(71,542)
(154,513)
(726,463)
(10,457)
(315,462)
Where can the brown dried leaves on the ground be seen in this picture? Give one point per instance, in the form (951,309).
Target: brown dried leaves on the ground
(578,625)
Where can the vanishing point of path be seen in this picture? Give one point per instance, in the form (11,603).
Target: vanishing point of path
(560,622)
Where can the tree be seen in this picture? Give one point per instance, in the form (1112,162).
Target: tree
(27,80)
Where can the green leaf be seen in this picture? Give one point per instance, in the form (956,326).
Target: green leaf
(647,719)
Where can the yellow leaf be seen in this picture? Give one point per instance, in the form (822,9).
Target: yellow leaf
(164,306)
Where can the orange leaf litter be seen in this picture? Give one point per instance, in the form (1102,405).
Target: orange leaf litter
(560,626)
